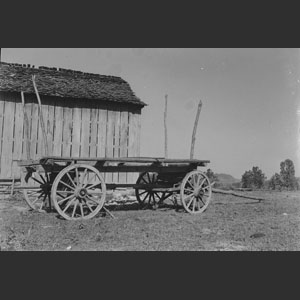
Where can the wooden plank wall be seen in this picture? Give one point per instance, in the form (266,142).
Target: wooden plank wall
(73,127)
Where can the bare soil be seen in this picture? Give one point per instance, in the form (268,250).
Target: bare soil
(229,224)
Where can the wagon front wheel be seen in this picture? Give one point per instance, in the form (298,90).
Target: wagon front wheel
(78,192)
(195,192)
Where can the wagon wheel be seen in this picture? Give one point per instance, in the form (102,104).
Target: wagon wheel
(78,192)
(195,192)
(37,190)
(146,196)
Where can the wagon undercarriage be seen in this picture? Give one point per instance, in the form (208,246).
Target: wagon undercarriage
(76,187)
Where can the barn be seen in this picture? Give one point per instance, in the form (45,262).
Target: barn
(84,115)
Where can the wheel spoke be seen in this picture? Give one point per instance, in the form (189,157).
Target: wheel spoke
(66,185)
(153,178)
(149,180)
(81,209)
(150,198)
(140,194)
(194,204)
(90,180)
(77,176)
(194,179)
(74,209)
(198,203)
(33,193)
(65,199)
(68,205)
(38,198)
(200,186)
(187,197)
(153,199)
(92,199)
(159,197)
(198,181)
(88,205)
(65,192)
(188,182)
(94,185)
(142,178)
(71,180)
(188,190)
(37,180)
(83,177)
(202,200)
(42,178)
(146,197)
(42,204)
(190,201)
(94,193)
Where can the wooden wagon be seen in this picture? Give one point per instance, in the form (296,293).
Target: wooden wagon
(76,186)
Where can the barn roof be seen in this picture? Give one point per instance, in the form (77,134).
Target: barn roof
(65,83)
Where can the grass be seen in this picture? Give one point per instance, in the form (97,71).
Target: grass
(229,223)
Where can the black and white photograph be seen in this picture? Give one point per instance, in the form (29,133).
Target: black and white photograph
(149,149)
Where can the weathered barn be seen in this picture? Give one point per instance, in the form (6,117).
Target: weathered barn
(85,115)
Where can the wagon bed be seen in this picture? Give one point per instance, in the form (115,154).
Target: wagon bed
(77,189)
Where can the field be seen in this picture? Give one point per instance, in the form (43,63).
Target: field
(229,224)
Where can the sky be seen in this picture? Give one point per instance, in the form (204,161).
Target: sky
(251,99)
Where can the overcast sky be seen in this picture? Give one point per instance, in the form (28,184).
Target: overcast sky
(250,99)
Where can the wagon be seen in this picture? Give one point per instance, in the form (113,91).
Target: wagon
(76,186)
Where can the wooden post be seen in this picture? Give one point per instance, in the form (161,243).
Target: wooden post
(195,129)
(165,125)
(41,116)
(26,130)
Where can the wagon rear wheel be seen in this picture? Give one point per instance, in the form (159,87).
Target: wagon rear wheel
(195,192)
(37,190)
(147,196)
(78,192)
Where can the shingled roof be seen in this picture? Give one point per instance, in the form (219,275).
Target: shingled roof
(66,83)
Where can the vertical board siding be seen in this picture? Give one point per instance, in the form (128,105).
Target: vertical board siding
(41,148)
(78,131)
(111,116)
(58,126)
(101,144)
(116,142)
(132,147)
(27,130)
(50,125)
(18,136)
(67,132)
(94,132)
(85,132)
(34,130)
(2,107)
(138,132)
(123,142)
(7,139)
(101,138)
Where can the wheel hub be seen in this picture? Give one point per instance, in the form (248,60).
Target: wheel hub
(198,192)
(81,193)
(46,187)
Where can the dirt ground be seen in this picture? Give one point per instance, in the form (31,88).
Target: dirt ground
(229,224)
